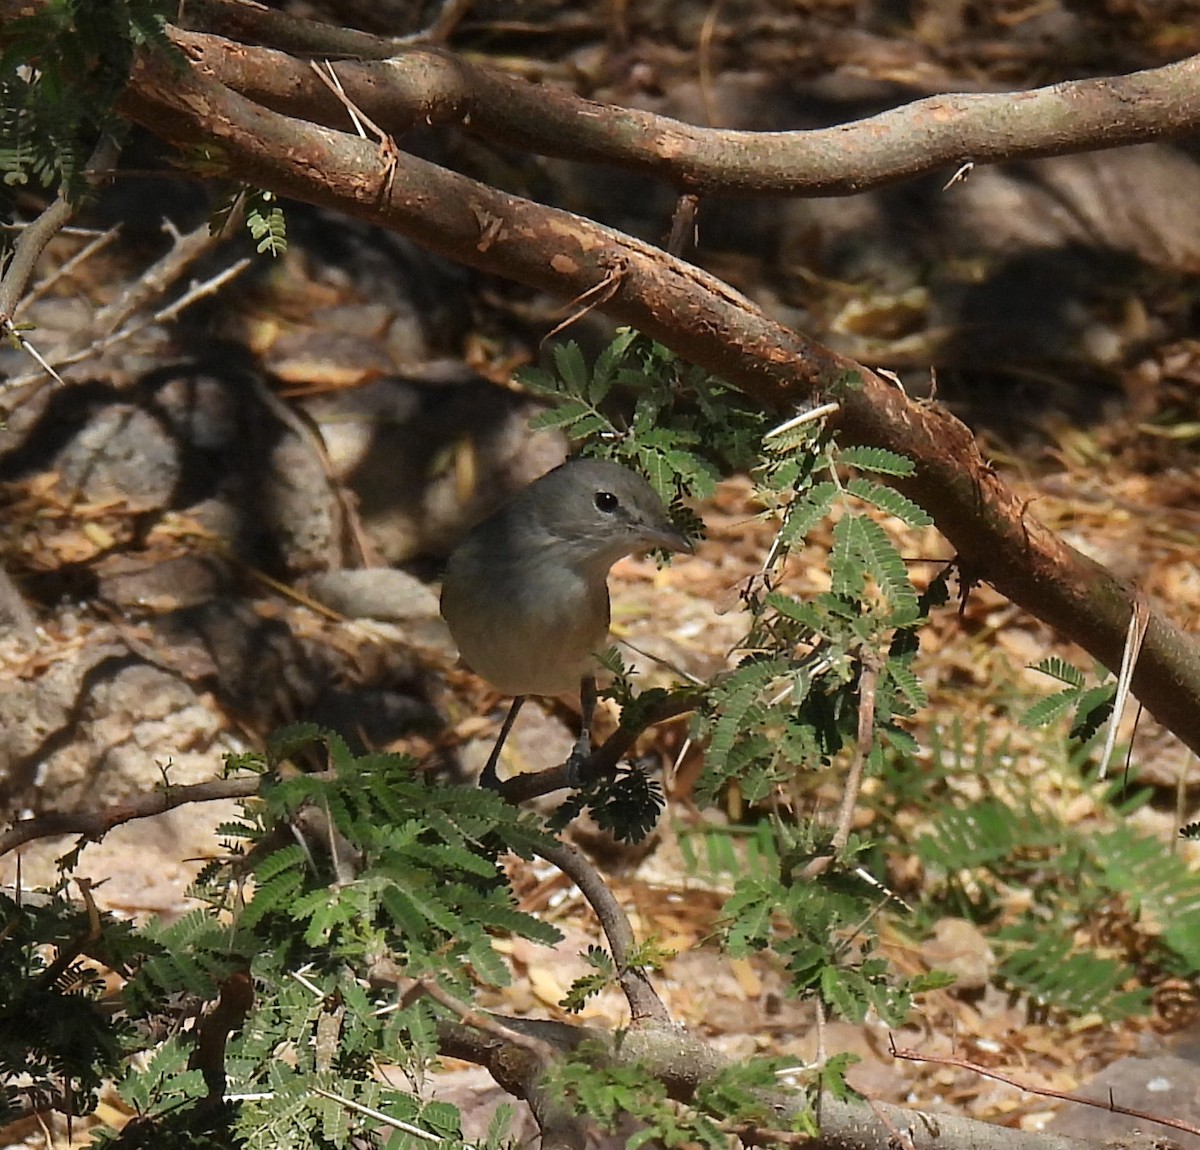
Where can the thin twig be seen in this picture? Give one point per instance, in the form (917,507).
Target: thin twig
(378,1115)
(95,245)
(1044,1091)
(601,762)
(94,825)
(867,682)
(111,324)
(1139,620)
(487,1023)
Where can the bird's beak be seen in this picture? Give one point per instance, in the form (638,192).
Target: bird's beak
(667,539)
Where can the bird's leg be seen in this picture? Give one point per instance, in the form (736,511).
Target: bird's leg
(489,778)
(583,744)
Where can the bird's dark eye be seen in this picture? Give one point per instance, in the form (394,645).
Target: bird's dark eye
(607,502)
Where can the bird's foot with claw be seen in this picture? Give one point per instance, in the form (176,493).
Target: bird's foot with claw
(580,753)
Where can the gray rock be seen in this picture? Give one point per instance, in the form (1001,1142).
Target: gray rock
(1164,1086)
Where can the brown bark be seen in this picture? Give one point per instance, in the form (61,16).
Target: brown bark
(400,86)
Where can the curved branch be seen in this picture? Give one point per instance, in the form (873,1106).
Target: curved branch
(402,88)
(644,1004)
(517,1069)
(706,322)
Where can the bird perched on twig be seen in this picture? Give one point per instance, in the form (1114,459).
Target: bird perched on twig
(525,594)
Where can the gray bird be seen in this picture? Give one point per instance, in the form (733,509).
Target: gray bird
(525,594)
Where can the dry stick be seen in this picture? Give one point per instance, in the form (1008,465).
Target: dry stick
(683,233)
(106,329)
(94,825)
(36,235)
(704,53)
(446,21)
(711,325)
(1045,1091)
(868,680)
(29,247)
(1138,622)
(487,1023)
(95,245)
(379,1116)
(644,1004)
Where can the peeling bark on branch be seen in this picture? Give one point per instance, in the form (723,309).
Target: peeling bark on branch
(400,86)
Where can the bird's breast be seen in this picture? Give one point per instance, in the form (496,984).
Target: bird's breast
(531,628)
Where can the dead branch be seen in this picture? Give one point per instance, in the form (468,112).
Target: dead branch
(94,825)
(115,322)
(36,235)
(1111,1105)
(522,1073)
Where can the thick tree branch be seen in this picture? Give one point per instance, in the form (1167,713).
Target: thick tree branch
(684,1063)
(521,1072)
(707,323)
(401,88)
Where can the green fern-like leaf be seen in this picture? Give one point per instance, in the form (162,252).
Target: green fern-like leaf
(574,416)
(985,833)
(568,361)
(1047,710)
(1061,670)
(729,852)
(266,223)
(286,742)
(878,460)
(890,500)
(906,682)
(1156,884)
(807,510)
(1092,711)
(279,880)
(734,702)
(609,363)
(861,546)
(846,568)
(1078,983)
